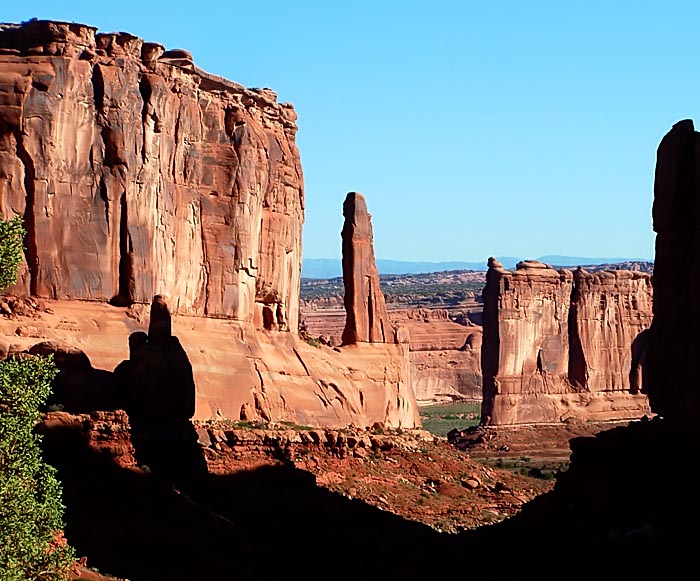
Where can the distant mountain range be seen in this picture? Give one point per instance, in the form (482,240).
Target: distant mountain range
(331,268)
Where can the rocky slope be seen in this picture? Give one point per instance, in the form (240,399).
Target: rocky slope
(138,174)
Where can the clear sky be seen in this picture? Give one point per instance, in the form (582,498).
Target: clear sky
(474,129)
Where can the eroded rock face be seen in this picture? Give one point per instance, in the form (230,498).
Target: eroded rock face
(444,355)
(139,174)
(674,341)
(559,344)
(367,319)
(609,312)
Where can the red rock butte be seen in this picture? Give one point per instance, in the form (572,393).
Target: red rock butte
(138,174)
(561,345)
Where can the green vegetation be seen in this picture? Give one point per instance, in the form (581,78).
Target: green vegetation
(526,466)
(313,342)
(11,235)
(440,419)
(253,425)
(31,512)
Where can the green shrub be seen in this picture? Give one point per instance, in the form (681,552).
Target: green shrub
(11,235)
(30,496)
(31,512)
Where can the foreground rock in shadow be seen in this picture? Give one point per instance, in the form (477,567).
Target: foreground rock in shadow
(674,391)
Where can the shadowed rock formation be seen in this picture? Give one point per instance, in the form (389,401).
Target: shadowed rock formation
(367,319)
(559,345)
(160,399)
(674,343)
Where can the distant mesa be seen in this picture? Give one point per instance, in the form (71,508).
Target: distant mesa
(325,268)
(560,345)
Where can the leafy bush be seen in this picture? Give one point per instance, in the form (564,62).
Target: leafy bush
(30,496)
(11,235)
(31,512)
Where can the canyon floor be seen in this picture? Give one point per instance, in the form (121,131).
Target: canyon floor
(288,502)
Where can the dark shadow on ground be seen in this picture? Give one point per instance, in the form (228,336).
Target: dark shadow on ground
(274,523)
(269,523)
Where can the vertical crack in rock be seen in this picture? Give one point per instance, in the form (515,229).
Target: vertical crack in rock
(146,91)
(31,252)
(126,285)
(577,368)
(306,369)
(102,191)
(205,259)
(98,89)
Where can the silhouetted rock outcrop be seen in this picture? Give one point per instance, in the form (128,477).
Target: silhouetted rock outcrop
(674,343)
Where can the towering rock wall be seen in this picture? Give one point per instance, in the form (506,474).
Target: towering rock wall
(609,311)
(367,318)
(559,344)
(674,341)
(139,174)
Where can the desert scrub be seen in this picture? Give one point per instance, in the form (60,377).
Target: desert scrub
(440,419)
(31,511)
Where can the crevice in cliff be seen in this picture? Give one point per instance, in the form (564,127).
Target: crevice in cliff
(306,369)
(577,368)
(146,91)
(126,284)
(102,190)
(205,260)
(31,252)
(98,89)
(370,312)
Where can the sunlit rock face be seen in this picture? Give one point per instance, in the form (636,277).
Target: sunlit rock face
(445,355)
(367,319)
(138,174)
(559,345)
(674,341)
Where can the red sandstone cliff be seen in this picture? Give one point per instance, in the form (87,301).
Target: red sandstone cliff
(139,174)
(560,345)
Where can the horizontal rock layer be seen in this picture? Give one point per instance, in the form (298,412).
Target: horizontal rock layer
(240,372)
(561,344)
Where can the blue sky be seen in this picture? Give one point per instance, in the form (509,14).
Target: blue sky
(474,129)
